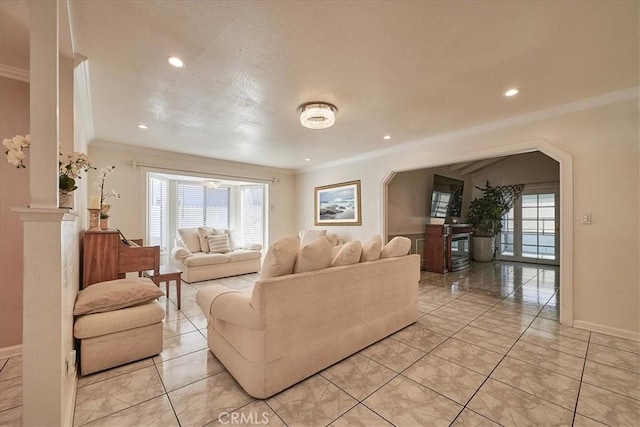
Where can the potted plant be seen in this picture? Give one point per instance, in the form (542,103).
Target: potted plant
(485,216)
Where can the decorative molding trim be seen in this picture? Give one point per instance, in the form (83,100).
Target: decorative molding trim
(581,105)
(14,73)
(46,214)
(13,351)
(607,330)
(70,398)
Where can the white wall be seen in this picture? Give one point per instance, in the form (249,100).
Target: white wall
(128,212)
(604,144)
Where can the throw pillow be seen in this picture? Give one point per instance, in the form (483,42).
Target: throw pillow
(281,257)
(234,241)
(115,294)
(309,236)
(180,253)
(190,238)
(349,254)
(314,256)
(371,249)
(336,249)
(218,244)
(398,246)
(203,233)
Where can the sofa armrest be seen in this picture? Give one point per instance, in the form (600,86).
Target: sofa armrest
(179,253)
(229,305)
(254,247)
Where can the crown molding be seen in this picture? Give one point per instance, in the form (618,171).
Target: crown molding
(14,73)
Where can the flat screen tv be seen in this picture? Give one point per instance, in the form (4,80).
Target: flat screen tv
(446,197)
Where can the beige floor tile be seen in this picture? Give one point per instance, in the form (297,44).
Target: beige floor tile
(612,379)
(199,321)
(115,394)
(254,414)
(393,354)
(615,342)
(11,417)
(312,402)
(206,400)
(439,324)
(177,327)
(556,341)
(553,326)
(360,416)
(419,337)
(548,358)
(154,412)
(486,339)
(456,313)
(511,407)
(486,300)
(614,357)
(187,369)
(468,418)
(406,403)
(358,375)
(11,369)
(608,407)
(582,421)
(451,380)
(180,345)
(555,388)
(114,372)
(469,356)
(10,393)
(505,326)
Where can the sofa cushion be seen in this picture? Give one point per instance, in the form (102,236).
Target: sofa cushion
(309,236)
(218,244)
(242,255)
(281,257)
(203,233)
(398,246)
(335,250)
(98,324)
(190,238)
(200,258)
(371,249)
(350,253)
(314,256)
(115,294)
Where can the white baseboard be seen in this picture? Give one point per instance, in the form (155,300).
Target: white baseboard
(607,330)
(13,351)
(70,404)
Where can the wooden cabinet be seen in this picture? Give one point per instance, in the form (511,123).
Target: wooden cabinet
(100,256)
(447,247)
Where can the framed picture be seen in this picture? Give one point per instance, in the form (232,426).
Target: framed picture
(338,204)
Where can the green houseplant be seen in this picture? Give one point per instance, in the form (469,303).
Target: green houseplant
(485,216)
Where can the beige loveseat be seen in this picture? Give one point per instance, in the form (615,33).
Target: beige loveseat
(286,328)
(193,255)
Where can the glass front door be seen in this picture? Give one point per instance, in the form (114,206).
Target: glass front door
(530,230)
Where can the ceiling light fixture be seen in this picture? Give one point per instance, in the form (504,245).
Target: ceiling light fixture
(387,137)
(512,92)
(142,126)
(317,115)
(212,183)
(175,61)
(307,159)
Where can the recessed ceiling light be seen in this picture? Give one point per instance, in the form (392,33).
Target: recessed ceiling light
(142,126)
(512,92)
(386,137)
(175,61)
(307,159)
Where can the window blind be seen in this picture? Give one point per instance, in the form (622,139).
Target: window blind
(200,206)
(252,214)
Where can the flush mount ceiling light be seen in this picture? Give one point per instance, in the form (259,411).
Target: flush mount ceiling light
(317,115)
(175,61)
(512,92)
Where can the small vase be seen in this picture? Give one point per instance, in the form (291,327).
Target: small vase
(65,199)
(104,209)
(104,223)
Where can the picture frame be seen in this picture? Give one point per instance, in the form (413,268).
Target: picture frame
(338,204)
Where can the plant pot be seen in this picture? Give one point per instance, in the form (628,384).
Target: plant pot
(483,248)
(104,223)
(65,199)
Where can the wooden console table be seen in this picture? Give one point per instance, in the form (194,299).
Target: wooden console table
(447,247)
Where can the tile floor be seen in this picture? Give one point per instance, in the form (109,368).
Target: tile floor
(487,350)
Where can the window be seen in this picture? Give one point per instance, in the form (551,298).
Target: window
(251,214)
(157,223)
(200,206)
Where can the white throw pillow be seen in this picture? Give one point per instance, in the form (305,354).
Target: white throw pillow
(314,256)
(218,244)
(398,246)
(309,236)
(281,257)
(234,241)
(349,254)
(190,238)
(371,249)
(336,249)
(203,233)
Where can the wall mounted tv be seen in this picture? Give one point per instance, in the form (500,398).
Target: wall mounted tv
(446,197)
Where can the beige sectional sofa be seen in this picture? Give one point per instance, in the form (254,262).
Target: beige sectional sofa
(193,256)
(290,326)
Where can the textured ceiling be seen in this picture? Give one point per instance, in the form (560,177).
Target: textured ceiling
(408,69)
